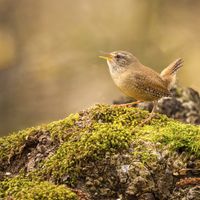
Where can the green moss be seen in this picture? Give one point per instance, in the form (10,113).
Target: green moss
(145,154)
(84,147)
(12,144)
(115,129)
(178,136)
(168,132)
(89,135)
(19,188)
(61,129)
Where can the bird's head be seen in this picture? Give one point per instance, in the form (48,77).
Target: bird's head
(119,60)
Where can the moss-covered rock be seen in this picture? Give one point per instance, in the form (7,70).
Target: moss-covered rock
(104,152)
(23,189)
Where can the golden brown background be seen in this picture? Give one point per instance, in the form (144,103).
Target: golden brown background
(49,63)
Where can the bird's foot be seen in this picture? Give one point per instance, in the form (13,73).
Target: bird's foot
(127,104)
(148,119)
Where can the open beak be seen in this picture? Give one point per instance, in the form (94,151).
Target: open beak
(107,56)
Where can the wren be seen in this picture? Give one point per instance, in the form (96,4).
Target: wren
(138,81)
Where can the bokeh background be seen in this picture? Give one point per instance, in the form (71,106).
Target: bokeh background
(49,63)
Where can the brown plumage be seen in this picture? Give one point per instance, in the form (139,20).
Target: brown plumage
(138,81)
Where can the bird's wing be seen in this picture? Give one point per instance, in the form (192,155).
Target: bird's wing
(150,83)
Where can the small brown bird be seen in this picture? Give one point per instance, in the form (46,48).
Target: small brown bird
(138,81)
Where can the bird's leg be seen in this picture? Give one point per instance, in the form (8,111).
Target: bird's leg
(152,114)
(128,104)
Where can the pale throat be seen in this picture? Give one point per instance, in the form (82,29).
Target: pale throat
(115,68)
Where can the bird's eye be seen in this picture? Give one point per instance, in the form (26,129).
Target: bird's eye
(118,56)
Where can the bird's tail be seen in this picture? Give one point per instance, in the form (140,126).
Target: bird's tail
(169,73)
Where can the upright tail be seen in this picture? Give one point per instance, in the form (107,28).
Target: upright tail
(169,73)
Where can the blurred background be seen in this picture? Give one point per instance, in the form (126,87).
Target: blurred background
(49,65)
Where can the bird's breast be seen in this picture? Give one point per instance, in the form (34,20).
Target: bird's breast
(127,86)
(138,88)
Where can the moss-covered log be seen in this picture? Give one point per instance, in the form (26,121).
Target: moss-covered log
(102,153)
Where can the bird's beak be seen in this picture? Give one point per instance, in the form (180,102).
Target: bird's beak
(107,56)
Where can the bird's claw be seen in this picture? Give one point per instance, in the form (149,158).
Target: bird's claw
(148,119)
